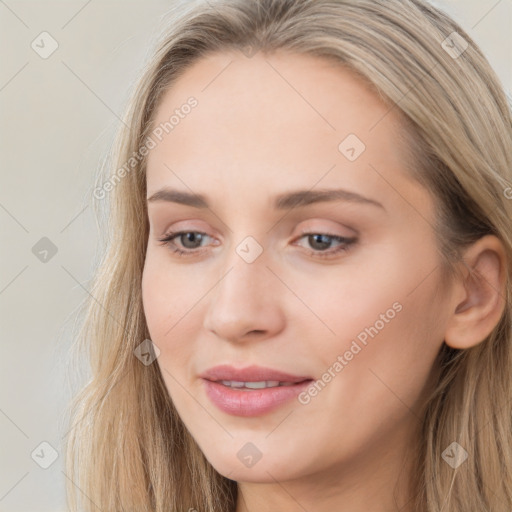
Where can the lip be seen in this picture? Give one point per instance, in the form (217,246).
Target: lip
(251,402)
(250,374)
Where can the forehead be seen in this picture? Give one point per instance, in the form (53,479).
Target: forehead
(274,121)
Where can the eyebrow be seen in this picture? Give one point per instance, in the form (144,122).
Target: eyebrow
(285,201)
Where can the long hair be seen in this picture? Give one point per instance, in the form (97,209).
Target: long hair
(127,448)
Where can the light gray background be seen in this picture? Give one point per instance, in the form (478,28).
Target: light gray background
(58,118)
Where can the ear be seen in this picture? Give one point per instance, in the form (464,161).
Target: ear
(479,293)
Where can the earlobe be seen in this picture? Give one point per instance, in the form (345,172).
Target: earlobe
(479,293)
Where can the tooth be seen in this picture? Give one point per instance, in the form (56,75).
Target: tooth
(256,385)
(232,383)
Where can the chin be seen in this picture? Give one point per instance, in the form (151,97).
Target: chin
(266,470)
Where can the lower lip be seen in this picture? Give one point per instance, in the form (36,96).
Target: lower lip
(253,402)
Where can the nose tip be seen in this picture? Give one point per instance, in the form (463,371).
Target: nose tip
(244,306)
(237,326)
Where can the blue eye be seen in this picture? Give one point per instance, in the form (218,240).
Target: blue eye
(191,241)
(169,241)
(321,240)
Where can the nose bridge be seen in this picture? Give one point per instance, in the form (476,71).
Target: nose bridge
(242,301)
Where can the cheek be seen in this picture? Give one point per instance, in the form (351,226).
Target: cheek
(381,332)
(168,308)
(169,301)
(380,380)
(167,293)
(365,298)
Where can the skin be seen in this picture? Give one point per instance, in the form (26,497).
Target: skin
(351,447)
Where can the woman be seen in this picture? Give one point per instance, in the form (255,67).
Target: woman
(305,303)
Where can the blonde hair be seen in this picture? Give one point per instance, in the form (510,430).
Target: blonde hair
(127,448)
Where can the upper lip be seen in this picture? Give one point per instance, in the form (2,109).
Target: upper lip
(250,374)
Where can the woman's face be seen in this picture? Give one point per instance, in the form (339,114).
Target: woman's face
(345,291)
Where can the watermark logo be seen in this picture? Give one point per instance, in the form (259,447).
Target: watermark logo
(44,45)
(454,455)
(351,147)
(249,50)
(249,455)
(44,455)
(146,352)
(454,45)
(249,249)
(44,250)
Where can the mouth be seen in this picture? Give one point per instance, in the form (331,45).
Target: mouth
(251,391)
(252,398)
(252,377)
(257,385)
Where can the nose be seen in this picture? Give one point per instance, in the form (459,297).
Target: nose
(245,304)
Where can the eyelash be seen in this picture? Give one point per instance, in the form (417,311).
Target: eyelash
(346,244)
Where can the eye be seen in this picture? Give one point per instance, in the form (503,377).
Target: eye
(189,240)
(322,241)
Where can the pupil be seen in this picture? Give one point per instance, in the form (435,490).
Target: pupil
(323,245)
(191,237)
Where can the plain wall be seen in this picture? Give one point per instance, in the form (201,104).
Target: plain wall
(58,118)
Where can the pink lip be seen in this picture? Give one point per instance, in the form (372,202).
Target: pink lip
(250,374)
(250,402)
